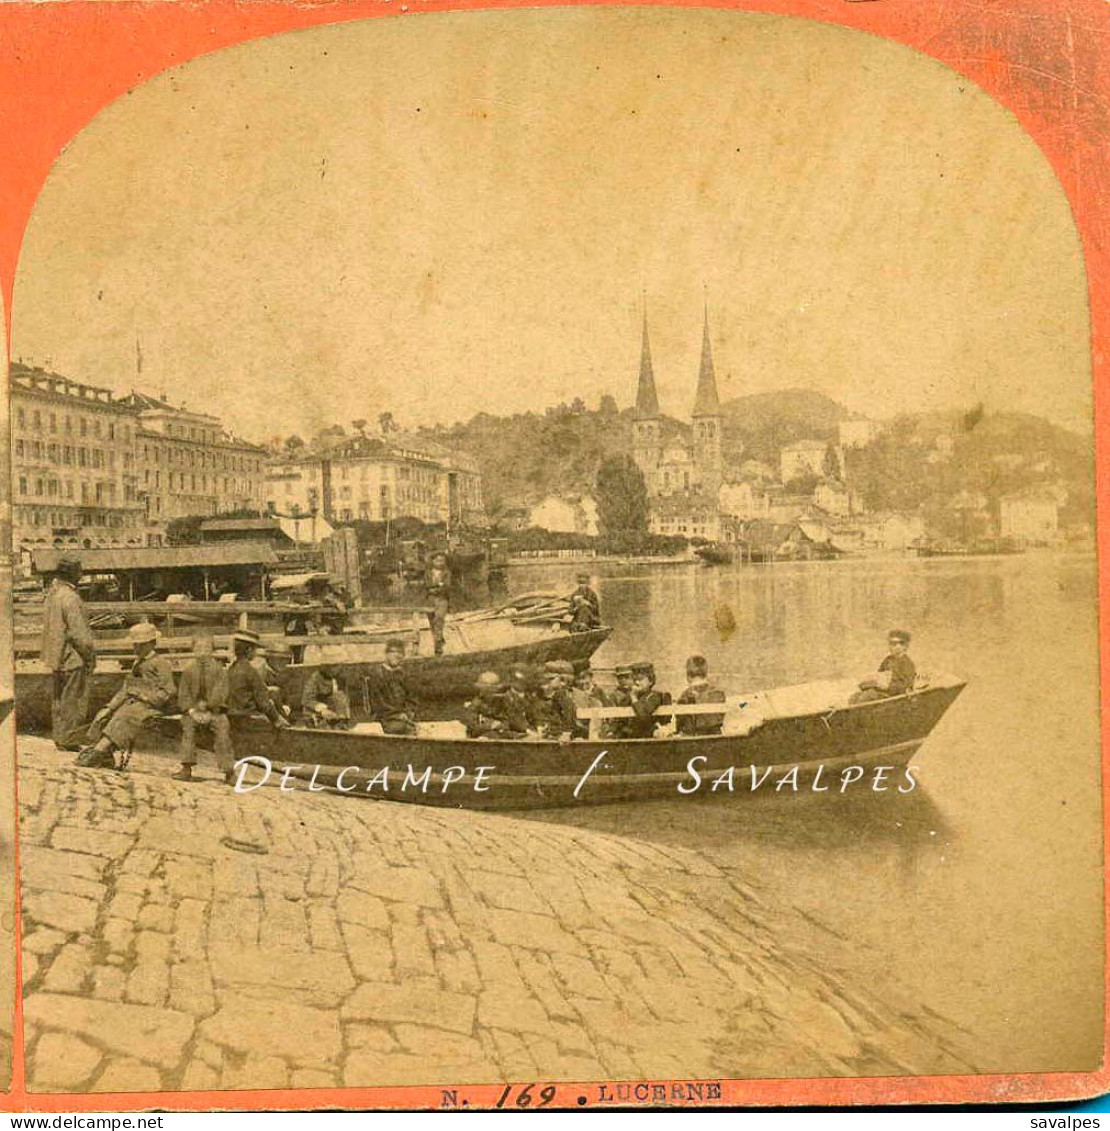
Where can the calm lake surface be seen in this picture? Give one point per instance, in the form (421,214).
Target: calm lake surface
(980,891)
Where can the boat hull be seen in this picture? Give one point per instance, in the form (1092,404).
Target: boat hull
(809,752)
(433,679)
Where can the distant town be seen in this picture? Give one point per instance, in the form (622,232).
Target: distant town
(791,474)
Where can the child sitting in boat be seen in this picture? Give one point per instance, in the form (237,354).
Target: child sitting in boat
(484,715)
(699,690)
(556,713)
(324,703)
(620,696)
(645,702)
(896,674)
(586,693)
(391,703)
(519,703)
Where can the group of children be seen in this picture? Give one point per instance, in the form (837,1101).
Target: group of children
(548,707)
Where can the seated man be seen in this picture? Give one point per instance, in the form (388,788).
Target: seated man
(323,702)
(585,591)
(147,691)
(699,690)
(391,703)
(484,715)
(202,697)
(896,673)
(244,692)
(581,615)
(645,701)
(585,693)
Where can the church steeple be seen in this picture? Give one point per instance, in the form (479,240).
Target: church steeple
(647,400)
(647,447)
(706,401)
(708,456)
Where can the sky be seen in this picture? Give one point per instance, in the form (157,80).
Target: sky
(442,214)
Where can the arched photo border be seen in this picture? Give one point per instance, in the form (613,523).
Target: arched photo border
(1047,61)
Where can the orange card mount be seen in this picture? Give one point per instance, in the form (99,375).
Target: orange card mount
(1045,60)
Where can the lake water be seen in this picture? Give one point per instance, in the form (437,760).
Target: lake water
(982,888)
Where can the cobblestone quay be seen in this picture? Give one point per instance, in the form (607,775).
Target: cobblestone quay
(188,937)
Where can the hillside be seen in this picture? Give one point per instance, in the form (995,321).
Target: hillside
(760,425)
(527,456)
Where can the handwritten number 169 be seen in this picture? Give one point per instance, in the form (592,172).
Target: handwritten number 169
(524,1097)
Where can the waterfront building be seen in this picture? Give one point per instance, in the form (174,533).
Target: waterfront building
(187,463)
(73,469)
(91,469)
(379,478)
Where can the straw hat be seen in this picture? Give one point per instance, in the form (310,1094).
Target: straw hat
(143,633)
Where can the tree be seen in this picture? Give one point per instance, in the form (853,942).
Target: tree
(359,426)
(622,498)
(608,405)
(830,469)
(294,445)
(386,423)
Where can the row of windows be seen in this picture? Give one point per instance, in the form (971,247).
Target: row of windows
(37,420)
(179,481)
(89,493)
(188,432)
(190,457)
(67,455)
(69,519)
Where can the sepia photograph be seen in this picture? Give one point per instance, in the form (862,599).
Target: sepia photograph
(553,549)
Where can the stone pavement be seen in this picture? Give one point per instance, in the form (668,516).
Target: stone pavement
(188,937)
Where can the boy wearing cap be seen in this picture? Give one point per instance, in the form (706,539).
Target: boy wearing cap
(69,654)
(556,714)
(896,674)
(322,700)
(620,696)
(519,704)
(585,693)
(699,690)
(391,703)
(484,715)
(201,696)
(645,701)
(146,692)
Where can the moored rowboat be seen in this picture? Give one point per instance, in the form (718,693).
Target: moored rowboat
(793,735)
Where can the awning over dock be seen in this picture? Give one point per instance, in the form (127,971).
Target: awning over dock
(124,559)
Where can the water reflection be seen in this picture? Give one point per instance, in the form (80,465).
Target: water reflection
(985,882)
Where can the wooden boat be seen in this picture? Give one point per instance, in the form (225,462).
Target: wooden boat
(449,677)
(791,735)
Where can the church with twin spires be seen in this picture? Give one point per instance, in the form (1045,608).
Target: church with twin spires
(683,473)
